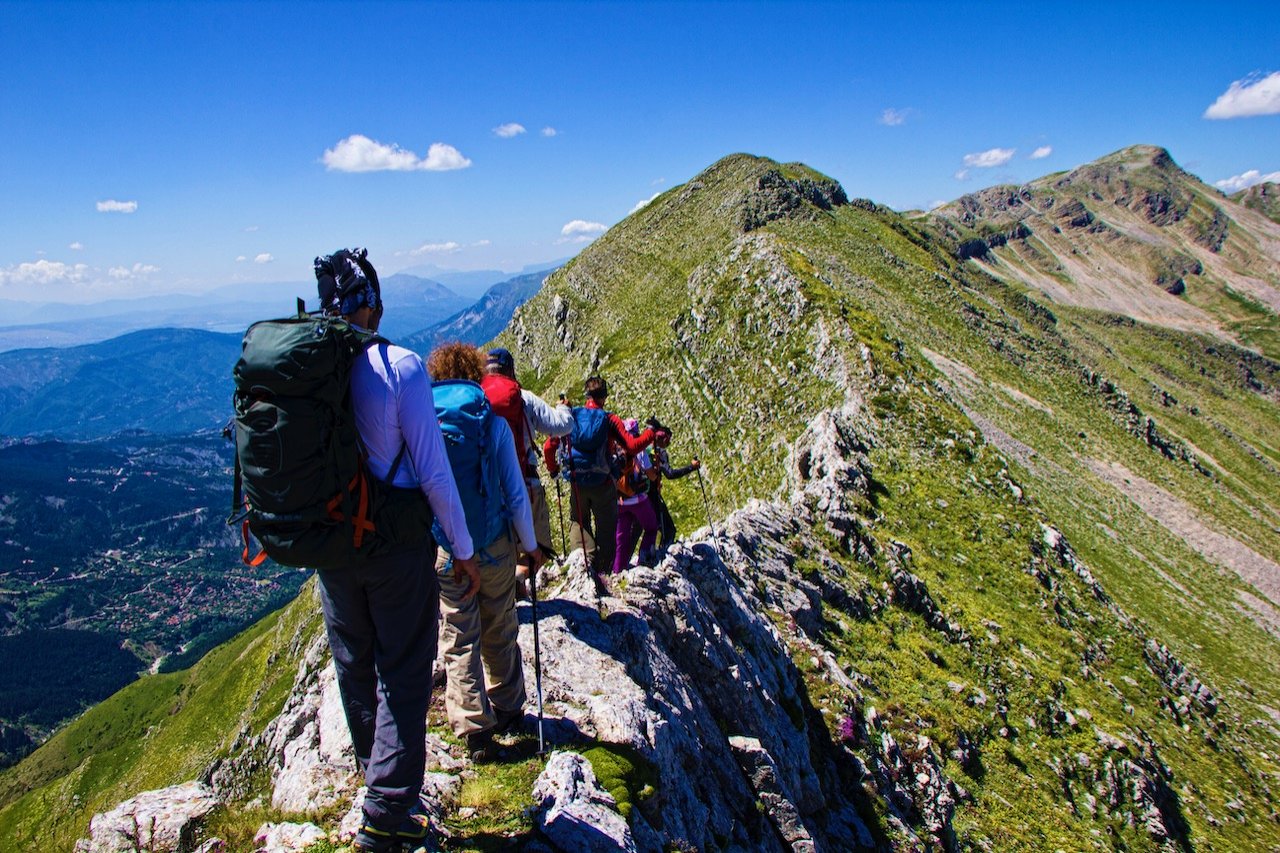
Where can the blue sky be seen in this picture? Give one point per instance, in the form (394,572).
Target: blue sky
(158,147)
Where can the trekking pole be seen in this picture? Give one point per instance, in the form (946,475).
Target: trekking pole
(564,538)
(537,657)
(705,504)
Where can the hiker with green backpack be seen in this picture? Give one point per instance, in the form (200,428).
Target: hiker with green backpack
(344,470)
(485,691)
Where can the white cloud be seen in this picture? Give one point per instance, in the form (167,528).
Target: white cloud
(241,259)
(962,175)
(263,258)
(44,272)
(251,228)
(76,246)
(1042,152)
(446,248)
(359,153)
(1255,95)
(583,227)
(989,159)
(113,206)
(136,271)
(894,117)
(508,130)
(480,243)
(1235,183)
(444,158)
(549,131)
(644,202)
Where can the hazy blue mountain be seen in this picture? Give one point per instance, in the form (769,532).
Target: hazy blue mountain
(155,380)
(417,302)
(474,283)
(484,320)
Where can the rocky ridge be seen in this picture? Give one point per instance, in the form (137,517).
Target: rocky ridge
(715,667)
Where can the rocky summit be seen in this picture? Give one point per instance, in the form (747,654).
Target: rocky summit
(973,564)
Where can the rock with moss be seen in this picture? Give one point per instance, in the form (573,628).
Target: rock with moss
(574,811)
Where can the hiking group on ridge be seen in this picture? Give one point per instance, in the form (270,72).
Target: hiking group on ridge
(413,490)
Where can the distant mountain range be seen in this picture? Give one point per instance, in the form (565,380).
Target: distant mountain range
(172,381)
(417,302)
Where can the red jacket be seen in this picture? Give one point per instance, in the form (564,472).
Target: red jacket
(504,397)
(618,438)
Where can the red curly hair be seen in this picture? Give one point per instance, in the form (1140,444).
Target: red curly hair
(456,360)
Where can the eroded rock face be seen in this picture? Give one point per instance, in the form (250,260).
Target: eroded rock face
(163,821)
(287,837)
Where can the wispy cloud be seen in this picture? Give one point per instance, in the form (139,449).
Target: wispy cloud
(962,175)
(989,159)
(479,243)
(263,258)
(446,248)
(359,153)
(549,131)
(1042,152)
(1255,95)
(644,202)
(892,117)
(1235,183)
(43,272)
(113,206)
(251,228)
(581,231)
(508,130)
(130,273)
(241,259)
(76,246)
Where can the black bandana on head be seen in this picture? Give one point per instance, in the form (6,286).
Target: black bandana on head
(347,282)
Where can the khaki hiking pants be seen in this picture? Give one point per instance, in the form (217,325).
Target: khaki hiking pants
(478,641)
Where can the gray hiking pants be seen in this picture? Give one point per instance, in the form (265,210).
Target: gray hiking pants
(381,619)
(596,509)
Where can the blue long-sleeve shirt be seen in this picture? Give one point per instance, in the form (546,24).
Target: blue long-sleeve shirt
(391,395)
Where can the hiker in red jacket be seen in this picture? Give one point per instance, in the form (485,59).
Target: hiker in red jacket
(526,413)
(585,458)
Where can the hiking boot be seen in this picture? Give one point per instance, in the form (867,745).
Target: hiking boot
(481,748)
(508,721)
(413,831)
(370,839)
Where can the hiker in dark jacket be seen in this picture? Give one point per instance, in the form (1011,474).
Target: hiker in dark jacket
(662,465)
(381,614)
(527,414)
(484,692)
(593,496)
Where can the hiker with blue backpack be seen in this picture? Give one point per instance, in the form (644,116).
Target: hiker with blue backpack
(485,691)
(587,459)
(343,468)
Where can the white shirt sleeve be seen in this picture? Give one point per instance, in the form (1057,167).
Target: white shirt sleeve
(545,419)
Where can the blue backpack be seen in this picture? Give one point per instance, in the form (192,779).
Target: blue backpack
(586,460)
(466,423)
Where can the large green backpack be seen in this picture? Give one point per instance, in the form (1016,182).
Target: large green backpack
(301,483)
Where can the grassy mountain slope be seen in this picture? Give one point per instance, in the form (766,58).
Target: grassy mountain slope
(1263,197)
(736,308)
(1058,682)
(1134,234)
